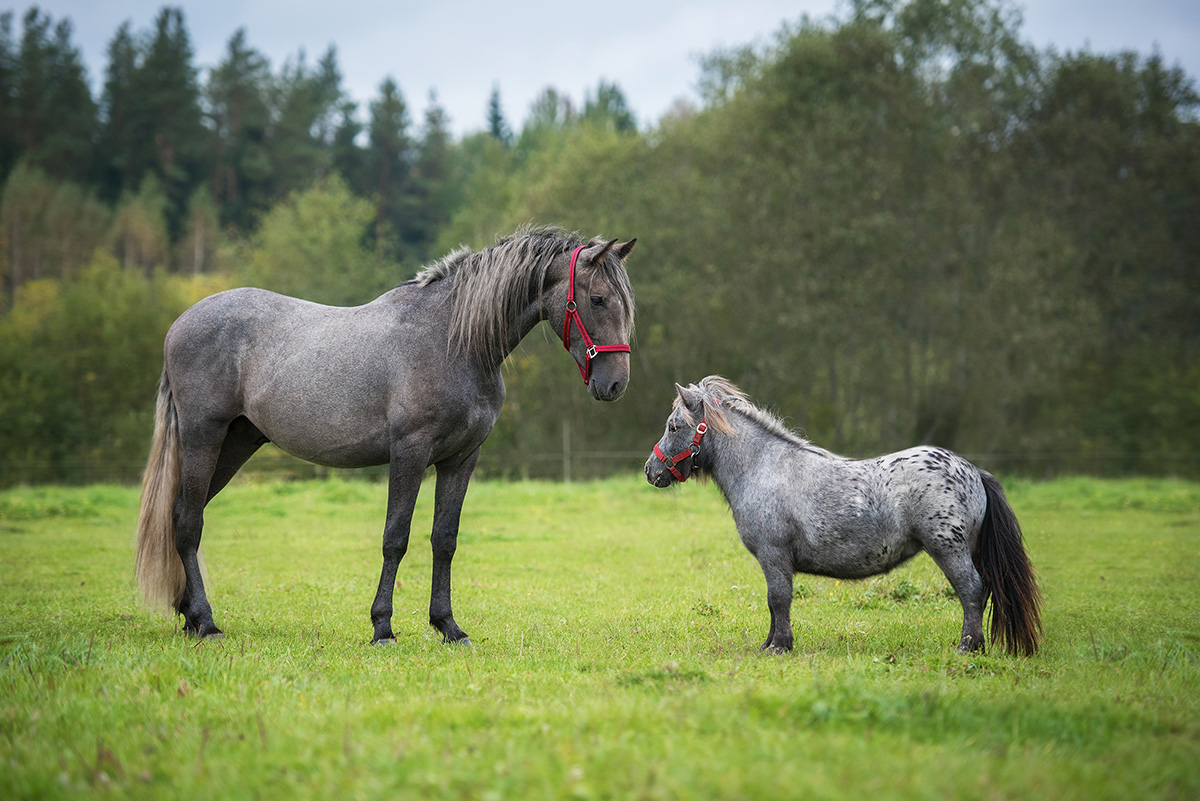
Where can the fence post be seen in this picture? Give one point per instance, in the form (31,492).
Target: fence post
(566,450)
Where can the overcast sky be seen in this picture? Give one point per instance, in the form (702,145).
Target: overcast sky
(462,48)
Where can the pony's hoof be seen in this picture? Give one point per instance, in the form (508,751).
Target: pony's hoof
(384,641)
(213,636)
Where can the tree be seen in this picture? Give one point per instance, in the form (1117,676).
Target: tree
(118,106)
(608,109)
(349,159)
(390,164)
(140,237)
(9,65)
(304,104)
(497,125)
(55,116)
(311,246)
(169,129)
(239,121)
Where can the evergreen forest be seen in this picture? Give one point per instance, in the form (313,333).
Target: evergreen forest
(900,225)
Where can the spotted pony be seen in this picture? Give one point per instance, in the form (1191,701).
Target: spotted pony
(802,509)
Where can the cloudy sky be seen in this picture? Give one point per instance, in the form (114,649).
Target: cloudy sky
(462,48)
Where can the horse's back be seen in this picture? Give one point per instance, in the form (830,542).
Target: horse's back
(329,384)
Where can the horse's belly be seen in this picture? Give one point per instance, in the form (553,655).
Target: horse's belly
(854,553)
(329,446)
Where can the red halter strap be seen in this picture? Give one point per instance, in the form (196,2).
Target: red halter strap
(572,315)
(692,450)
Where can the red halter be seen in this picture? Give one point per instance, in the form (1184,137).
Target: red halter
(692,450)
(585,369)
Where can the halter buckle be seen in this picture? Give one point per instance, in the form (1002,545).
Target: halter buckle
(591,352)
(570,306)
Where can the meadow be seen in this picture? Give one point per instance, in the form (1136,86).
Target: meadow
(616,631)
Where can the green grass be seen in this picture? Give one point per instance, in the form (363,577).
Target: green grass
(616,630)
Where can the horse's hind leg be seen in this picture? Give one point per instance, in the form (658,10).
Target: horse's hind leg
(201,454)
(241,442)
(964,578)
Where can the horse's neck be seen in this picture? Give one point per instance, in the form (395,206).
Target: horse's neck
(741,456)
(535,311)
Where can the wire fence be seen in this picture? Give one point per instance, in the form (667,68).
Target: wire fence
(574,465)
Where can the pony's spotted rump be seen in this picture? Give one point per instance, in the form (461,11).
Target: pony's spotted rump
(411,379)
(802,509)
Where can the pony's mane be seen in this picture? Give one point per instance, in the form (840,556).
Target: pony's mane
(720,395)
(493,287)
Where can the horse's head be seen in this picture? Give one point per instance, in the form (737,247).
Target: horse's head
(675,454)
(593,310)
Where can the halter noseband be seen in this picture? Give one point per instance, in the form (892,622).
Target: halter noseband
(692,450)
(585,369)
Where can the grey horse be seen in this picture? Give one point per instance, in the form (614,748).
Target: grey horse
(801,509)
(411,379)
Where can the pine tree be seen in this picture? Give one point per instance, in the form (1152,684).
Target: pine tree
(117,169)
(238,121)
(497,125)
(389,162)
(55,115)
(168,132)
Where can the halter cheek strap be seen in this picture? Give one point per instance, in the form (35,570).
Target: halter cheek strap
(692,450)
(572,315)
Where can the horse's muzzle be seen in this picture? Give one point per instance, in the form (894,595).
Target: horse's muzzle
(656,474)
(604,389)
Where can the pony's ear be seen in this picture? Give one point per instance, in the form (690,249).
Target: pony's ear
(623,250)
(592,255)
(691,396)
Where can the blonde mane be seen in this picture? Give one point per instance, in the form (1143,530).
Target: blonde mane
(720,395)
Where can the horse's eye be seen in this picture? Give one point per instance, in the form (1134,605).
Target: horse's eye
(597,300)
(672,428)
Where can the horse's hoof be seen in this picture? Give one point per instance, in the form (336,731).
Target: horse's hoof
(212,636)
(384,641)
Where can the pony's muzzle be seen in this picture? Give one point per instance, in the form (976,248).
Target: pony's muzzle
(656,474)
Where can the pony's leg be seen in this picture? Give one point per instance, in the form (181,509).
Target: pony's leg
(452,480)
(777,568)
(242,440)
(964,578)
(201,452)
(404,482)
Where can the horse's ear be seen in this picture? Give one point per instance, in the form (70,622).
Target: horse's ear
(594,258)
(625,249)
(691,395)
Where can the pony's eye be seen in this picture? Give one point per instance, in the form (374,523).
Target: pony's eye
(597,300)
(672,428)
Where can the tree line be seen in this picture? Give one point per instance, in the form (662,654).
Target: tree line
(900,225)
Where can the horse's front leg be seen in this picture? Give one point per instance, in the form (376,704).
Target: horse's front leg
(452,480)
(404,482)
(777,568)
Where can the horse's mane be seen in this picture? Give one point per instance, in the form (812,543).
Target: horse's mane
(494,286)
(720,395)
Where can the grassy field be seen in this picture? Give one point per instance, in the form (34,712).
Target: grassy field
(616,631)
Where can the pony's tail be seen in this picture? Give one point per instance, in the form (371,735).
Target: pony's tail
(1008,577)
(159,568)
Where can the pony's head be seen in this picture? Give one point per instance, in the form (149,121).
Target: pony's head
(593,311)
(697,413)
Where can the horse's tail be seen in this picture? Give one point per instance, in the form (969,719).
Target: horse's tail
(1008,577)
(159,568)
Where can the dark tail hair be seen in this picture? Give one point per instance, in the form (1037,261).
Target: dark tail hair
(1008,577)
(159,568)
